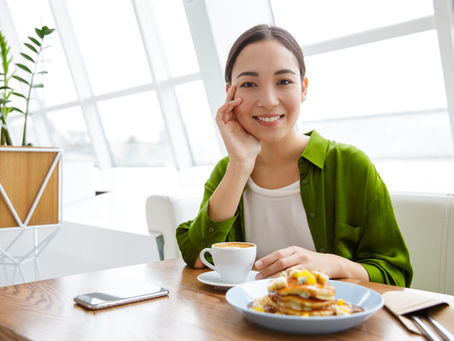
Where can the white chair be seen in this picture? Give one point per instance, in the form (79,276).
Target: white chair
(426,222)
(165,213)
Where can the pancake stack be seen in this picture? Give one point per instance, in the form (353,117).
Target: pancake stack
(304,293)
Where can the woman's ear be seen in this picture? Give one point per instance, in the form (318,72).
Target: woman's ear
(304,89)
(227,87)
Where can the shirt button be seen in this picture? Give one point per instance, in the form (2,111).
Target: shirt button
(211,229)
(203,243)
(305,182)
(312,214)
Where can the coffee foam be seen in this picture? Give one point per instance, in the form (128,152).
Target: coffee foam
(233,245)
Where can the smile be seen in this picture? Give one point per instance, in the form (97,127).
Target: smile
(268,118)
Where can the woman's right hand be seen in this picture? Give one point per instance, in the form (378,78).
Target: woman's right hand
(243,148)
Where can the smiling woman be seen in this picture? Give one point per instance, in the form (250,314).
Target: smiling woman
(303,200)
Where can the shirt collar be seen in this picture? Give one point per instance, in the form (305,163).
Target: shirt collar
(316,149)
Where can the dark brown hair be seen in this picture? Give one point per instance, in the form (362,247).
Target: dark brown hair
(260,33)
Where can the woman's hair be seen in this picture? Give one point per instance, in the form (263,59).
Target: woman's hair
(260,33)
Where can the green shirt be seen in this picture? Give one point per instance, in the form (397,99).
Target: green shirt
(348,208)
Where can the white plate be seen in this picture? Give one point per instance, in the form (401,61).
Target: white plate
(212,278)
(240,296)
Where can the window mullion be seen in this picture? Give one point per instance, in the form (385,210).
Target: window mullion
(370,36)
(444,21)
(168,102)
(81,81)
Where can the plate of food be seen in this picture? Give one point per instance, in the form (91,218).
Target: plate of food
(305,302)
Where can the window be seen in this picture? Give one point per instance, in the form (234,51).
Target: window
(110,43)
(386,97)
(198,122)
(68,131)
(58,85)
(135,130)
(312,21)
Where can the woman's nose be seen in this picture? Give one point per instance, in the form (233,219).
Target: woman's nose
(268,98)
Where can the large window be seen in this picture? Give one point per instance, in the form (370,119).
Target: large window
(375,76)
(123,87)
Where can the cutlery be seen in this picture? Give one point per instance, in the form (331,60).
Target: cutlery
(428,333)
(440,329)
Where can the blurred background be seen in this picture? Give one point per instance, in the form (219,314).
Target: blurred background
(133,85)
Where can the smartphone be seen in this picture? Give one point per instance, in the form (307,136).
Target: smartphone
(114,297)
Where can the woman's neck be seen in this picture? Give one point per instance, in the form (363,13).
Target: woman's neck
(286,150)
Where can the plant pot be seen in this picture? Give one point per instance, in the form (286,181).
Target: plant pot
(30,187)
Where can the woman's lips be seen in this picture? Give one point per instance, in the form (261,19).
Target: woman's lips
(268,120)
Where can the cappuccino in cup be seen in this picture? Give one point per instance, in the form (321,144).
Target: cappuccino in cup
(232,260)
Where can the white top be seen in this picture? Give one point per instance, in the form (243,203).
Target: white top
(275,218)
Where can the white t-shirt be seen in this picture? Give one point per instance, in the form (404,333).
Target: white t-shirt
(275,218)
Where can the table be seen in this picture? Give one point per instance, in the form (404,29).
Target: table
(44,310)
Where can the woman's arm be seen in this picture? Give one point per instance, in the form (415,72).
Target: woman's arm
(223,193)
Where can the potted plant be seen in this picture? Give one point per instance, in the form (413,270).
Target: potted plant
(29,176)
(30,66)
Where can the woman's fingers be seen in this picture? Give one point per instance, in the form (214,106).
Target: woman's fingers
(231,93)
(276,262)
(225,111)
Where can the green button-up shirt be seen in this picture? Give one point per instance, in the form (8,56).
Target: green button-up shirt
(348,208)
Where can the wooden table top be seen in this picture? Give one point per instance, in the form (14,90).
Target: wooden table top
(45,310)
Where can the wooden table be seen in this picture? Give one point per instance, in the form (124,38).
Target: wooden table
(45,310)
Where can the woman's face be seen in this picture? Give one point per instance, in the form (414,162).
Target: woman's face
(268,80)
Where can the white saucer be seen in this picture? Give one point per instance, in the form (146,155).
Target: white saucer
(212,278)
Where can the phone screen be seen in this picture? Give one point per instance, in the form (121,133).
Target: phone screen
(112,297)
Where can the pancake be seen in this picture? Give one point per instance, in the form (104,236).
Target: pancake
(326,311)
(304,293)
(304,283)
(300,303)
(317,290)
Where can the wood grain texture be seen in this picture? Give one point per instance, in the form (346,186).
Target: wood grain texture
(45,310)
(21,175)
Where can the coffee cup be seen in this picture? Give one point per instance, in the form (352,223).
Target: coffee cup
(232,260)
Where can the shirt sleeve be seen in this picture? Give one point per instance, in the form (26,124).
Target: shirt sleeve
(194,235)
(381,248)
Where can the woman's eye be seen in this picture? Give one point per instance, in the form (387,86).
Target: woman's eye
(247,85)
(285,82)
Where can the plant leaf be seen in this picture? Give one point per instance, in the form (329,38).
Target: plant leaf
(37,43)
(26,56)
(5,88)
(20,79)
(39,33)
(19,95)
(4,101)
(16,109)
(23,67)
(44,31)
(42,73)
(38,86)
(31,47)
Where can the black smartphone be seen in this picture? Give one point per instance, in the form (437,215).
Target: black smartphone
(124,295)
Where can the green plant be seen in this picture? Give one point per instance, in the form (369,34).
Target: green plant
(30,66)
(5,91)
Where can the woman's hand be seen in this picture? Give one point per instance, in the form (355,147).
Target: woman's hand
(241,146)
(334,266)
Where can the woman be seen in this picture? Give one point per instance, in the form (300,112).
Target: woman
(304,200)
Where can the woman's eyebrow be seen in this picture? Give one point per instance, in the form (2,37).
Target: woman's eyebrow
(255,74)
(248,73)
(280,72)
